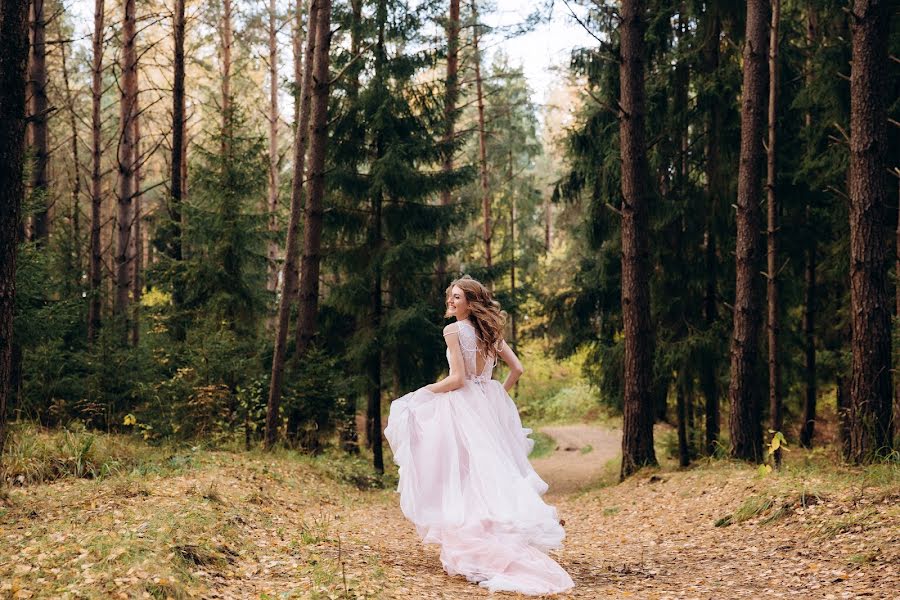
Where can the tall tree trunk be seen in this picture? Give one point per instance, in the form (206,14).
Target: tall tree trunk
(896,415)
(482,150)
(349,434)
(76,178)
(870,387)
(96,268)
(126,162)
(297,51)
(713,191)
(681,408)
(774,331)
(451,93)
(374,366)
(310,263)
(272,251)
(289,269)
(137,236)
(176,200)
(13,67)
(313,212)
(745,426)
(39,122)
(807,427)
(637,426)
(227,41)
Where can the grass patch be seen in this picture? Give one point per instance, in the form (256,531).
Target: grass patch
(543,445)
(753,506)
(36,455)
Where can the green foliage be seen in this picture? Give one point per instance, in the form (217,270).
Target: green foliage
(224,274)
(34,455)
(751,507)
(315,397)
(553,391)
(385,218)
(543,445)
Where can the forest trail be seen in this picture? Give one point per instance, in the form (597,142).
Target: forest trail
(579,457)
(251,525)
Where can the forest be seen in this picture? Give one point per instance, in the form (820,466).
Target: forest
(227,229)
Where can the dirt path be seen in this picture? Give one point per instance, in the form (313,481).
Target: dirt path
(249,525)
(581,454)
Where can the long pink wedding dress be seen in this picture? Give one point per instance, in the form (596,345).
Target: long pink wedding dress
(467,485)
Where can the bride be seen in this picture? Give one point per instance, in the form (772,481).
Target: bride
(465,479)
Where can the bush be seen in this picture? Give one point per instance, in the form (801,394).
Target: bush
(554,390)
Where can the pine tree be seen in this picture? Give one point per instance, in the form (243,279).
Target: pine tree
(226,269)
(13,64)
(386,217)
(637,427)
(870,387)
(746,432)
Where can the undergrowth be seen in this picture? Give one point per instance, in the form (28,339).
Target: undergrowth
(38,455)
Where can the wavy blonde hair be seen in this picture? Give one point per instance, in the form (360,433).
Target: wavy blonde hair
(484,312)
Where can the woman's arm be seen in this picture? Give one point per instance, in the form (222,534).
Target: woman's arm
(456,378)
(515,367)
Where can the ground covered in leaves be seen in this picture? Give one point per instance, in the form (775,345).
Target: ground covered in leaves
(217,524)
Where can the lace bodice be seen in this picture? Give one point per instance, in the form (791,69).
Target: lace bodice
(473,354)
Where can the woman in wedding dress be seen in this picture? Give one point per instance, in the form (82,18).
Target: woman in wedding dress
(465,479)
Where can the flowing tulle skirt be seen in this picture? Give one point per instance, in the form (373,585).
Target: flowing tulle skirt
(467,485)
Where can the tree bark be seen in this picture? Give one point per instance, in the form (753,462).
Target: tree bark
(713,190)
(681,409)
(807,427)
(482,150)
(374,366)
(96,272)
(637,427)
(746,431)
(451,93)
(39,123)
(13,67)
(310,263)
(137,237)
(297,51)
(870,387)
(313,212)
(349,434)
(227,41)
(272,251)
(896,415)
(76,178)
(126,164)
(289,269)
(773,329)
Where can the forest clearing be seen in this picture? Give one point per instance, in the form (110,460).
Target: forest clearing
(226,524)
